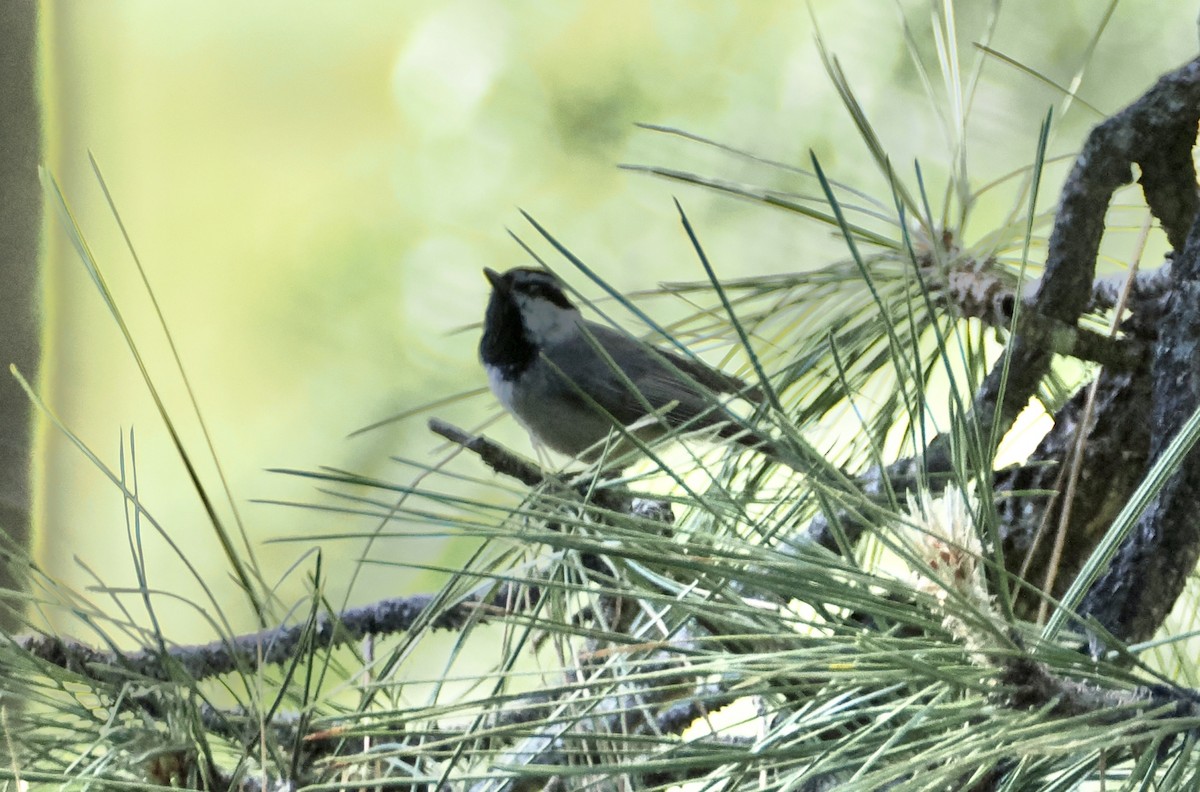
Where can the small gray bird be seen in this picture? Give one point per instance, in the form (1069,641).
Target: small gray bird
(543,365)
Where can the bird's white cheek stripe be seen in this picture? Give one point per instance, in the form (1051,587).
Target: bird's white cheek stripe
(545,322)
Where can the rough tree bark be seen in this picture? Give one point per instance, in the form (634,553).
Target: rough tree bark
(1137,412)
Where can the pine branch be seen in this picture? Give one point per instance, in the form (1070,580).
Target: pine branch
(1157,133)
(274,646)
(506,463)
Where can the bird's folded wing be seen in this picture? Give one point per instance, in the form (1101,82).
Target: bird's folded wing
(658,378)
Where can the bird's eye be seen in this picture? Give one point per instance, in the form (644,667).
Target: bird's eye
(545,290)
(553,295)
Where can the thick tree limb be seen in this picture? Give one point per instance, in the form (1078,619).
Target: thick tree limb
(1140,587)
(1157,133)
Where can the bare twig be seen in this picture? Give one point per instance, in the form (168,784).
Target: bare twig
(506,463)
(265,647)
(497,457)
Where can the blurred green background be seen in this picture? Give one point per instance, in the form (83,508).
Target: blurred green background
(313,189)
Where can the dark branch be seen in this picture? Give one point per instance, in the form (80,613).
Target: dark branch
(1156,132)
(1130,600)
(498,458)
(267,647)
(506,463)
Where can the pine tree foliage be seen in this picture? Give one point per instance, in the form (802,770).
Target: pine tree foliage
(891,608)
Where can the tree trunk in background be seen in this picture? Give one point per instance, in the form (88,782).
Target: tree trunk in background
(20,231)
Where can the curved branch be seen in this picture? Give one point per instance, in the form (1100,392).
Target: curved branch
(1157,133)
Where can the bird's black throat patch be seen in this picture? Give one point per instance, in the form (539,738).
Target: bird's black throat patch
(504,343)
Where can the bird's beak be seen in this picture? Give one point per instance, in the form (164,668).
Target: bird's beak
(495,278)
